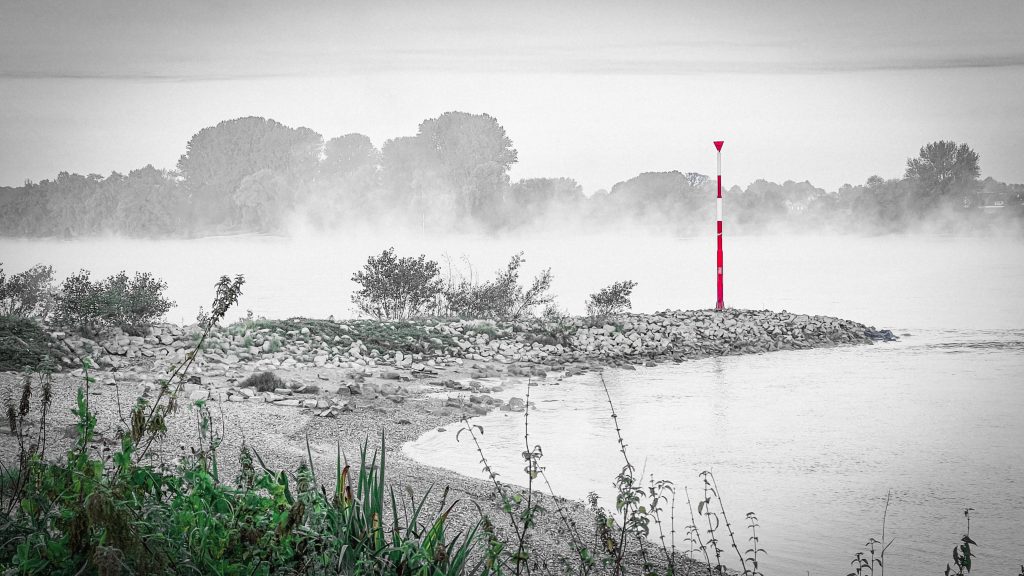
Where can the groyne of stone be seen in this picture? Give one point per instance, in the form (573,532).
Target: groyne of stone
(421,345)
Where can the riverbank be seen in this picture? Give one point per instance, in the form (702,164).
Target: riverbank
(344,384)
(279,430)
(365,358)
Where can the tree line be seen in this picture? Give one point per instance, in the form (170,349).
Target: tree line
(257,175)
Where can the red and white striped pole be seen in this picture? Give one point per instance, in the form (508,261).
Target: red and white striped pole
(720,303)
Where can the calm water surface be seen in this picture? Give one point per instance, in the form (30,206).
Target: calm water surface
(810,440)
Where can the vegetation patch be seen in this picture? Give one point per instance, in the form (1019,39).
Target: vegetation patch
(27,294)
(129,303)
(263,382)
(24,344)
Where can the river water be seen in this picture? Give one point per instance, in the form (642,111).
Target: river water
(809,440)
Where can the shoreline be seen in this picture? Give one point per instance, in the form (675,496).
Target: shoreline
(399,381)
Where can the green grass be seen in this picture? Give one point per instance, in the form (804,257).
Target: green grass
(90,514)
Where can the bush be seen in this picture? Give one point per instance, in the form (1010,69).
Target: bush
(611,300)
(500,299)
(396,288)
(23,343)
(263,382)
(28,294)
(127,303)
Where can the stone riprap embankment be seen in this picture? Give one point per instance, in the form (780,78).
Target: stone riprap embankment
(420,346)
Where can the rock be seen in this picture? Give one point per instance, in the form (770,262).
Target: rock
(399,357)
(283,391)
(390,375)
(198,395)
(880,335)
(516,404)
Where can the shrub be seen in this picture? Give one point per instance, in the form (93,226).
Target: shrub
(396,288)
(28,294)
(263,382)
(23,343)
(500,299)
(127,303)
(611,300)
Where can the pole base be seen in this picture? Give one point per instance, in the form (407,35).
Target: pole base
(720,306)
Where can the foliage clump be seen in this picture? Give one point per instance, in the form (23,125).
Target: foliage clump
(611,300)
(263,382)
(502,298)
(127,303)
(394,288)
(23,344)
(28,294)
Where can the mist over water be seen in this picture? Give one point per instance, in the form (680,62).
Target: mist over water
(887,281)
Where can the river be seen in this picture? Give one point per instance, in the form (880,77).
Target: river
(810,440)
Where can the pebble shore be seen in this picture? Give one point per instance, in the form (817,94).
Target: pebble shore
(346,383)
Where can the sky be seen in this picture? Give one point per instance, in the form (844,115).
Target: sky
(831,92)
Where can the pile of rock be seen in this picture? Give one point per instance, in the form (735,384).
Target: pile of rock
(669,335)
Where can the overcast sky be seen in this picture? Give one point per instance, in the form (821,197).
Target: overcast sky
(598,91)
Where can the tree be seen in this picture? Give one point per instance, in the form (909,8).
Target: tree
(659,199)
(219,157)
(395,288)
(531,199)
(696,179)
(475,154)
(413,172)
(346,154)
(943,169)
(262,199)
(150,203)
